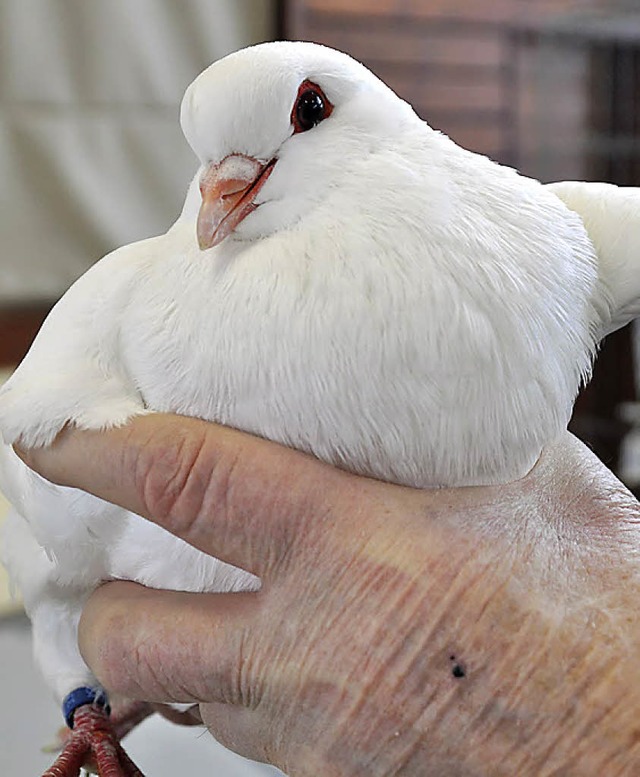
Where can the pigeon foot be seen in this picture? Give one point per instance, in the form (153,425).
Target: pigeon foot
(94,744)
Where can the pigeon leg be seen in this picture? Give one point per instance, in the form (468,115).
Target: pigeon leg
(94,740)
(125,717)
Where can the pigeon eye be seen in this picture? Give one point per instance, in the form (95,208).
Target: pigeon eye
(311,107)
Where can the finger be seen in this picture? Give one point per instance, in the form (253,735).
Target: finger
(235,496)
(164,646)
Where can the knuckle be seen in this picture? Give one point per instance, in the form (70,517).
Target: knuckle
(186,475)
(219,491)
(167,474)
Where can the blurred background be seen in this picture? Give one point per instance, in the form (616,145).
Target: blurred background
(92,157)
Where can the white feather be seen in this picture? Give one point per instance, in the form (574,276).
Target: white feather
(611,215)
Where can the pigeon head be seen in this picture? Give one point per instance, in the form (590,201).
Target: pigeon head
(274,127)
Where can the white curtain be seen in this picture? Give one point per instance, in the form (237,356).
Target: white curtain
(91,153)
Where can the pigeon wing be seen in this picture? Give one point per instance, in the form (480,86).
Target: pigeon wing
(611,215)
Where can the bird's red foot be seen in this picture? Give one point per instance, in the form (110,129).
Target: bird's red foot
(94,743)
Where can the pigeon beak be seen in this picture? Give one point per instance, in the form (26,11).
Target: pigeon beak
(228,192)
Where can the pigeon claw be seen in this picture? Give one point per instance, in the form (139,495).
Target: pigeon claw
(93,744)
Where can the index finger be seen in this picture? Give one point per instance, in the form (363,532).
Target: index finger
(237,497)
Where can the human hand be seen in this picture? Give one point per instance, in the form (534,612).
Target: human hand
(476,631)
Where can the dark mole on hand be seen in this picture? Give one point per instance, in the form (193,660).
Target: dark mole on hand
(457,670)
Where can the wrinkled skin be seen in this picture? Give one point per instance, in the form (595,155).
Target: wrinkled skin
(475,632)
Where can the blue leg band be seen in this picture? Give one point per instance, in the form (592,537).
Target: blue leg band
(81,696)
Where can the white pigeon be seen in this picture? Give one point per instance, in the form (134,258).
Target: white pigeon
(343,279)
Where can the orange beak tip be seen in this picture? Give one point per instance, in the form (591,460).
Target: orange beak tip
(228,197)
